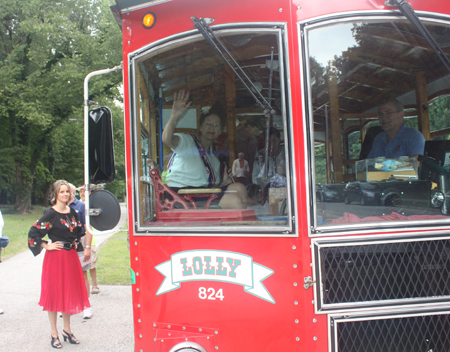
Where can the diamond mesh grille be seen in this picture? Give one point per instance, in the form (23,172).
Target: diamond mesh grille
(378,272)
(422,333)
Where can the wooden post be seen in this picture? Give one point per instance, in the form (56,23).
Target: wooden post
(336,144)
(423,116)
(143,123)
(230,94)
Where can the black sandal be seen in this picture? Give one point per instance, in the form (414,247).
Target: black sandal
(54,344)
(71,338)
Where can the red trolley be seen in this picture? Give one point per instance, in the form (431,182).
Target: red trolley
(343,252)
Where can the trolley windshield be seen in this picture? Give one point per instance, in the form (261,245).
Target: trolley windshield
(379,118)
(206,156)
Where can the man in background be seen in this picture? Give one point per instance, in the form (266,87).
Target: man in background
(94,254)
(396,139)
(84,248)
(246,139)
(241,170)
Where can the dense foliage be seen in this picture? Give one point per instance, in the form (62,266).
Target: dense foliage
(440,115)
(46,50)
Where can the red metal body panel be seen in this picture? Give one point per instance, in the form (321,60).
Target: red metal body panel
(241,321)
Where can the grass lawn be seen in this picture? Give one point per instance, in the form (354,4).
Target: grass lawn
(113,266)
(16,227)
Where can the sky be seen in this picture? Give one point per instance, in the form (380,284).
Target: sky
(328,41)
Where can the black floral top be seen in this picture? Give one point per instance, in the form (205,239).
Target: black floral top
(58,227)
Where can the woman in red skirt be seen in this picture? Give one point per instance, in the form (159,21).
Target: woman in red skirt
(62,284)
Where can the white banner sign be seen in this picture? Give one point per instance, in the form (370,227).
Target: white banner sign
(213,265)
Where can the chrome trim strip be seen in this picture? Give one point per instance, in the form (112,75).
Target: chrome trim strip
(138,7)
(194,33)
(305,92)
(308,132)
(288,131)
(316,230)
(134,57)
(381,239)
(131,105)
(335,319)
(366,14)
(403,303)
(377,227)
(391,313)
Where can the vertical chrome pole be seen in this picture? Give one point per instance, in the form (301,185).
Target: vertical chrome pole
(86,134)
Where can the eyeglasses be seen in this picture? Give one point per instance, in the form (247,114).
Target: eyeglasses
(387,114)
(209,124)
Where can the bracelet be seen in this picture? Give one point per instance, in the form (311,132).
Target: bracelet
(87,246)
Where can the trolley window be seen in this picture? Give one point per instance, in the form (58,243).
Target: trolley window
(202,159)
(370,84)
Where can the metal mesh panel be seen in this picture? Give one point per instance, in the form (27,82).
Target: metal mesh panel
(378,272)
(410,334)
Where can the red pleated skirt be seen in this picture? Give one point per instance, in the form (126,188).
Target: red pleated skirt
(63,288)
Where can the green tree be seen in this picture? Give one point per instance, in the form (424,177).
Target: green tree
(440,115)
(46,50)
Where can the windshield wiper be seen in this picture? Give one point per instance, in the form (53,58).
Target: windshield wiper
(211,38)
(407,11)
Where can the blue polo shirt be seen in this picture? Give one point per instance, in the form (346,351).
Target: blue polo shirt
(408,142)
(79,206)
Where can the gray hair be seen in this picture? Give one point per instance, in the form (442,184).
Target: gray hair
(72,188)
(398,105)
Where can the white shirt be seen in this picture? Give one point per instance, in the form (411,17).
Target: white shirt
(238,171)
(188,168)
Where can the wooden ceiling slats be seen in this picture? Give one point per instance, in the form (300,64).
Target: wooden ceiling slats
(362,80)
(194,66)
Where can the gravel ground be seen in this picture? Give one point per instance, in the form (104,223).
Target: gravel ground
(25,327)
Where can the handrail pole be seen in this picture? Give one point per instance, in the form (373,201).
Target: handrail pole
(86,137)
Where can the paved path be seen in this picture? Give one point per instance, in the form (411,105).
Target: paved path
(25,327)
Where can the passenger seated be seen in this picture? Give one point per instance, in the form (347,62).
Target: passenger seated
(277,190)
(258,165)
(396,139)
(193,163)
(279,179)
(276,157)
(241,169)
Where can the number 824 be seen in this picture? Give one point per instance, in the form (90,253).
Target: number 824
(210,293)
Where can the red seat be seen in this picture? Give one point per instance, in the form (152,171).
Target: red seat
(165,208)
(183,198)
(207,216)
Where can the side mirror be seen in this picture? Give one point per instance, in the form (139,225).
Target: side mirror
(104,210)
(101,146)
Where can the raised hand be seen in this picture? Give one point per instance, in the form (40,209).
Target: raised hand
(180,103)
